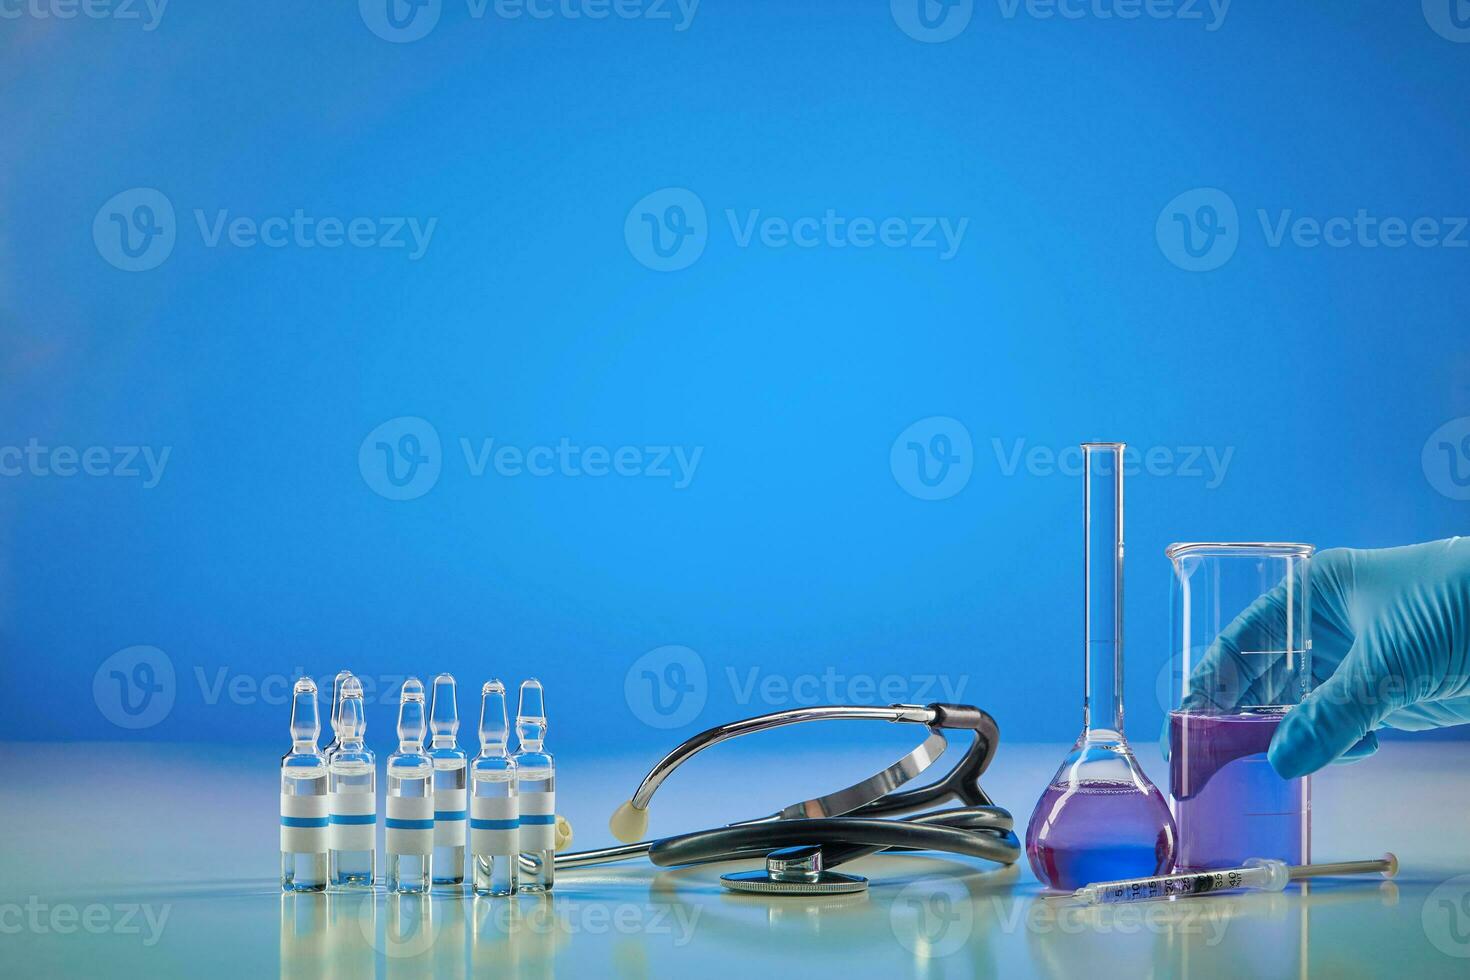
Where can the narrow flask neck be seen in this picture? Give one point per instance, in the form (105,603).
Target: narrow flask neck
(1102,706)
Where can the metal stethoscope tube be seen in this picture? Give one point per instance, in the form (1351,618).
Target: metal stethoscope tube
(980,829)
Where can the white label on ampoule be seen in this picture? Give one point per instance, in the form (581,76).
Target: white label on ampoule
(449,817)
(354,819)
(304,823)
(409,825)
(538,822)
(493,825)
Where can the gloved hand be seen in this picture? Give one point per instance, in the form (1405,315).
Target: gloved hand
(1390,646)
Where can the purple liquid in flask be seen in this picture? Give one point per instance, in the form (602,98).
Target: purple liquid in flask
(1229,804)
(1100,819)
(1103,831)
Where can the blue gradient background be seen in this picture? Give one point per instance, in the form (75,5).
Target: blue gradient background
(794,550)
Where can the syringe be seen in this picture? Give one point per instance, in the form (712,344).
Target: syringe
(1257,874)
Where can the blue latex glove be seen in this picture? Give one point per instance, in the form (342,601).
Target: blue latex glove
(1390,647)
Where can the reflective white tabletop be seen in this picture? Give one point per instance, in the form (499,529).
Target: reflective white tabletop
(161,860)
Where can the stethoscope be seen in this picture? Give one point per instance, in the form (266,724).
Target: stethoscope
(803,842)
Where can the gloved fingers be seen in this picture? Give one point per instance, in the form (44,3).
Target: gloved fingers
(1426,715)
(1333,718)
(1361,749)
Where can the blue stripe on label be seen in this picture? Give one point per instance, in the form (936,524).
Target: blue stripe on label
(303,821)
(354,818)
(449,814)
(399,823)
(538,818)
(478,824)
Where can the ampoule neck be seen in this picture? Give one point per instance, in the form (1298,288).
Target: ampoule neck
(530,735)
(443,742)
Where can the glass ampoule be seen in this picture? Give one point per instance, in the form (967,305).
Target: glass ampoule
(1100,819)
(409,823)
(352,797)
(450,806)
(494,810)
(304,798)
(536,791)
(336,714)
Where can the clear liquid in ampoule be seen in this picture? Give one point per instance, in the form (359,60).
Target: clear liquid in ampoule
(494,806)
(409,824)
(450,803)
(495,868)
(304,819)
(352,782)
(536,790)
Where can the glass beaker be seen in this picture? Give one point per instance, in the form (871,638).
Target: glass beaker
(1241,658)
(1100,819)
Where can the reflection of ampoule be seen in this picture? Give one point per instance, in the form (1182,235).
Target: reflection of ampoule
(449,784)
(352,935)
(304,949)
(409,826)
(447,959)
(304,798)
(409,936)
(352,797)
(494,815)
(495,929)
(536,787)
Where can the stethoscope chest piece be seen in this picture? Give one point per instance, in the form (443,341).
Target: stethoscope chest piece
(794,871)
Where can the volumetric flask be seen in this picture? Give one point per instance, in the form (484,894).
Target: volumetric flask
(1241,658)
(1100,819)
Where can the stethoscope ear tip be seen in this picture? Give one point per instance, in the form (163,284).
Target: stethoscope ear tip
(628,823)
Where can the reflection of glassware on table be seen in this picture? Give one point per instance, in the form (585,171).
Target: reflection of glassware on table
(1101,818)
(1233,680)
(304,946)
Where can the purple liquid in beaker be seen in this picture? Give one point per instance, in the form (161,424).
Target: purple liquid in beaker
(1099,831)
(1229,804)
